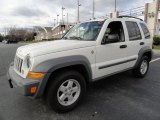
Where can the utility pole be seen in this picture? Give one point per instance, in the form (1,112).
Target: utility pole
(130,12)
(67,22)
(78,11)
(115,5)
(57,18)
(93,9)
(67,18)
(54,22)
(62,14)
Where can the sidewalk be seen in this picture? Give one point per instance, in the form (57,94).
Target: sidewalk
(156,51)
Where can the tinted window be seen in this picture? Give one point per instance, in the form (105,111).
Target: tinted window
(133,31)
(145,31)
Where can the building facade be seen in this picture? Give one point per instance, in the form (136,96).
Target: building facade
(150,13)
(43,33)
(47,33)
(59,30)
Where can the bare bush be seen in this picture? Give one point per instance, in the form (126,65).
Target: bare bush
(20,34)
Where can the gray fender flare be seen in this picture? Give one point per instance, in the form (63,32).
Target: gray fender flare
(141,53)
(52,65)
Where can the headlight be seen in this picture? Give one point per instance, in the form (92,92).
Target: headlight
(28,61)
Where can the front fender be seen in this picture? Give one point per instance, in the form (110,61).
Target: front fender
(50,66)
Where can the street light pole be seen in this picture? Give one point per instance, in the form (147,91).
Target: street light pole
(54,22)
(62,14)
(93,9)
(67,21)
(78,11)
(115,5)
(57,18)
(67,18)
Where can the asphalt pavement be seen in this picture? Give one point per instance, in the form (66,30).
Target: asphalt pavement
(120,97)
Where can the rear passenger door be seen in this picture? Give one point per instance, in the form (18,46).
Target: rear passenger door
(135,38)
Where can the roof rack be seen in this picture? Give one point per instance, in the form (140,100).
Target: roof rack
(130,17)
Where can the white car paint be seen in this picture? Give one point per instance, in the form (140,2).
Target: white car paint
(103,54)
(38,49)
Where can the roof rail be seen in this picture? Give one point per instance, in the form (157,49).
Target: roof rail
(130,17)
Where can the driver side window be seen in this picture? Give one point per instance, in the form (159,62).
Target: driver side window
(114,33)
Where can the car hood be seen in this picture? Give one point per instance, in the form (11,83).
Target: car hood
(42,48)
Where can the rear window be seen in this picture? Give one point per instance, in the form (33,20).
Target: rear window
(145,31)
(133,31)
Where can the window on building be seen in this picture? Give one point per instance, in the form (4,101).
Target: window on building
(145,31)
(133,31)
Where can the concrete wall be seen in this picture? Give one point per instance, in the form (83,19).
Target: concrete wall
(114,14)
(151,16)
(43,33)
(158,28)
(59,30)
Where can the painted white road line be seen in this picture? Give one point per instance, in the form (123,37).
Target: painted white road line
(155,60)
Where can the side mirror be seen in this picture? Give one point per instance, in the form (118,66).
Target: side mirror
(112,38)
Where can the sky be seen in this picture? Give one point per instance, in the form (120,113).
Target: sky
(29,13)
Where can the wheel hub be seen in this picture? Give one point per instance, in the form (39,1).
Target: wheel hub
(68,92)
(144,67)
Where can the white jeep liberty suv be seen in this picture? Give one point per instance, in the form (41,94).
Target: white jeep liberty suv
(59,70)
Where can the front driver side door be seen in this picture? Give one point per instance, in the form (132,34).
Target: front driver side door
(113,57)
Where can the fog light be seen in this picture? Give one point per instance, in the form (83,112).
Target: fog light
(33,90)
(34,75)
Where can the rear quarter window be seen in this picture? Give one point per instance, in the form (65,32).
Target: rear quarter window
(133,31)
(145,31)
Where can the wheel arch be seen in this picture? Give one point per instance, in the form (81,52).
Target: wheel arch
(144,51)
(78,63)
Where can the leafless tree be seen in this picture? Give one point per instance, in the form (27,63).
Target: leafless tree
(20,34)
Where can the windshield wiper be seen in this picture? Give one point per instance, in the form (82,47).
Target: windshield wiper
(75,37)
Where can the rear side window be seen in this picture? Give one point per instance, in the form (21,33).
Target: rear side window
(145,31)
(133,31)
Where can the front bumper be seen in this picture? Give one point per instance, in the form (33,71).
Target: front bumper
(22,85)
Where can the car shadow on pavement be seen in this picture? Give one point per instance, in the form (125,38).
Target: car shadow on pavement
(101,100)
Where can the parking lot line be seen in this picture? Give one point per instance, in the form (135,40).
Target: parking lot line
(155,60)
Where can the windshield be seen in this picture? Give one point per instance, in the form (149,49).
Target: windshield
(85,31)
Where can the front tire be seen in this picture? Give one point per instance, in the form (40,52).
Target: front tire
(66,91)
(141,70)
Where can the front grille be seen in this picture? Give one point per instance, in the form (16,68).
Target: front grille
(18,64)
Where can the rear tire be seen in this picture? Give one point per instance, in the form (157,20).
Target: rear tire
(66,91)
(141,70)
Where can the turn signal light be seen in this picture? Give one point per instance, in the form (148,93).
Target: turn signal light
(34,75)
